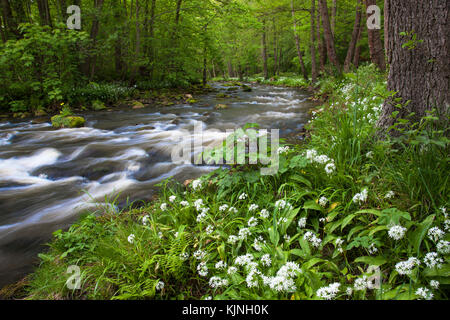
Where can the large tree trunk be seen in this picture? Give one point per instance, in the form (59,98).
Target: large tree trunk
(331,49)
(321,48)
(8,19)
(358,46)
(297,43)
(95,28)
(333,17)
(419,72)
(375,44)
(313,42)
(356,30)
(264,51)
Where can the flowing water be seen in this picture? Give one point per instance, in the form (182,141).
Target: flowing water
(48,177)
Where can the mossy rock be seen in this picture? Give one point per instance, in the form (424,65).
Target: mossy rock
(246,88)
(98,105)
(222,95)
(221,107)
(60,121)
(138,105)
(191,101)
(40,113)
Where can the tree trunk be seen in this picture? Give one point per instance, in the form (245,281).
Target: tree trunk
(333,17)
(63,10)
(92,58)
(356,30)
(313,42)
(8,19)
(331,49)
(275,49)
(375,45)
(2,30)
(419,72)
(358,46)
(297,43)
(264,51)
(320,41)
(44,12)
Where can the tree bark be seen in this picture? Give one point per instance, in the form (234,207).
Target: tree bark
(264,51)
(331,49)
(333,17)
(321,48)
(419,72)
(313,42)
(275,49)
(44,12)
(92,58)
(2,30)
(358,46)
(375,45)
(8,19)
(356,30)
(297,43)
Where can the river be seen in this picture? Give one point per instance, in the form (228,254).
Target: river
(48,177)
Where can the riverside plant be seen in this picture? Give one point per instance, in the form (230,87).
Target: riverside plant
(345,217)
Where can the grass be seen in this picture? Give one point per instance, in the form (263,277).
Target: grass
(343,204)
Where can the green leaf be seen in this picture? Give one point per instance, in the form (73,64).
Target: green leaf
(372,261)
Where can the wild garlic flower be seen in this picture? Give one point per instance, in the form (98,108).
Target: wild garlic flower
(311,154)
(198,204)
(369,155)
(252,222)
(447,225)
(444,211)
(287,238)
(282,150)
(197,184)
(202,269)
(253,207)
(223,208)
(184,203)
(199,254)
(232,239)
(361,284)
(160,235)
(323,201)
(159,286)
(131,238)
(330,168)
(280,284)
(209,229)
(217,282)
(406,267)
(424,293)
(389,195)
(434,284)
(163,206)
(443,247)
(435,234)
(172,199)
(265,260)
(433,260)
(145,220)
(243,260)
(313,239)
(232,270)
(233,210)
(243,196)
(244,233)
(372,249)
(282,204)
(184,256)
(349,291)
(302,223)
(361,197)
(251,279)
(397,232)
(330,292)
(221,265)
(264,213)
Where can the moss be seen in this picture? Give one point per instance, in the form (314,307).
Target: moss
(222,95)
(246,88)
(60,121)
(98,105)
(221,107)
(137,105)
(191,101)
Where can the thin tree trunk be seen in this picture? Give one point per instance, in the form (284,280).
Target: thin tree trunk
(264,51)
(92,58)
(297,43)
(331,49)
(356,30)
(313,42)
(375,45)
(8,19)
(333,17)
(320,43)
(358,46)
(44,12)
(275,49)
(419,74)
(2,30)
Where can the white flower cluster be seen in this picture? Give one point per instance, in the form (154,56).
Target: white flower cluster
(361,197)
(217,282)
(145,220)
(223,208)
(253,207)
(283,281)
(244,233)
(184,256)
(184,203)
(397,232)
(131,238)
(283,204)
(361,283)
(433,260)
(159,286)
(282,150)
(265,260)
(339,242)
(232,239)
(221,265)
(447,225)
(232,270)
(330,292)
(257,243)
(199,254)
(209,229)
(323,201)
(172,199)
(435,234)
(443,247)
(434,284)
(424,293)
(313,156)
(313,239)
(389,195)
(202,269)
(406,267)
(197,185)
(372,249)
(163,207)
(302,223)
(243,196)
(264,213)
